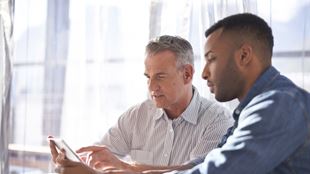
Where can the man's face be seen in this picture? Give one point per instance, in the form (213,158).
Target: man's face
(221,71)
(165,81)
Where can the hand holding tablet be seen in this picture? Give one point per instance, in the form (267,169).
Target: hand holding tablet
(61,144)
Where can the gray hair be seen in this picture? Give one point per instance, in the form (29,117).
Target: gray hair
(181,47)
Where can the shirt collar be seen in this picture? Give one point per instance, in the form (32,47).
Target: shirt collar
(260,85)
(158,114)
(191,112)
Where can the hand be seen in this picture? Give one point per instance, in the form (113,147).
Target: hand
(100,157)
(53,149)
(106,161)
(66,166)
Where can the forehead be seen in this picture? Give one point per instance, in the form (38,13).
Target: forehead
(160,61)
(161,57)
(214,40)
(219,42)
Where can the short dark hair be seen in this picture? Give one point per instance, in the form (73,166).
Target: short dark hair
(181,47)
(248,26)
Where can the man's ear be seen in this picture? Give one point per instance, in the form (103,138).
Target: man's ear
(188,73)
(245,55)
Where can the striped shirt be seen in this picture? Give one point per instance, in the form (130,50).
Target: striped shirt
(148,136)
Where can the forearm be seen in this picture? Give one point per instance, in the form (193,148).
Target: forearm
(142,168)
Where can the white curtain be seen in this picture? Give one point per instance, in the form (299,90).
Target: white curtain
(79,64)
(6,17)
(104,67)
(102,73)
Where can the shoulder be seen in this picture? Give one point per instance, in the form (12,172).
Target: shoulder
(282,106)
(283,97)
(212,106)
(143,110)
(275,110)
(212,110)
(283,91)
(270,101)
(145,105)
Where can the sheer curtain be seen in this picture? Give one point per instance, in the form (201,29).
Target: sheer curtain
(6,21)
(104,74)
(78,65)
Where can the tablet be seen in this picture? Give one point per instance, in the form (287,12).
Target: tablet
(70,154)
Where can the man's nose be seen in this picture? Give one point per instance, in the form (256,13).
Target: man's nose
(153,85)
(205,73)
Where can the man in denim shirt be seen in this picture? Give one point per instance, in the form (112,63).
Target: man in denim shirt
(272,122)
(271,134)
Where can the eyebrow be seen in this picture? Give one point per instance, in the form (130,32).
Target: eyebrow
(157,74)
(161,73)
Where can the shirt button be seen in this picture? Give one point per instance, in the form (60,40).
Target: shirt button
(237,111)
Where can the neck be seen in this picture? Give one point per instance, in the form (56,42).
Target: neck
(177,109)
(251,77)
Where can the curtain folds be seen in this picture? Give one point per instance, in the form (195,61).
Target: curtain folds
(6,17)
(78,65)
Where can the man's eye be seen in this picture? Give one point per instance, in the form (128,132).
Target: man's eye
(211,58)
(146,76)
(160,77)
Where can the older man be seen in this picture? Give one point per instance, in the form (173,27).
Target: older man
(176,125)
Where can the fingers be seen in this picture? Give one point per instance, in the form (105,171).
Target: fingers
(94,158)
(65,166)
(97,157)
(59,158)
(83,158)
(104,158)
(90,149)
(54,151)
(62,161)
(70,167)
(95,154)
(76,168)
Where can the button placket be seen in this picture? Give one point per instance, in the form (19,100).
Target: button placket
(168,143)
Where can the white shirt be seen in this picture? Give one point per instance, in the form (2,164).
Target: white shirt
(148,136)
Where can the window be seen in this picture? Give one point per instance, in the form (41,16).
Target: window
(79,64)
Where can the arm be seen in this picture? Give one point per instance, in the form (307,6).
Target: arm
(117,141)
(260,142)
(118,138)
(66,166)
(102,159)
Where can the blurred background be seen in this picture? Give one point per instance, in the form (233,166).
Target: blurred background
(71,67)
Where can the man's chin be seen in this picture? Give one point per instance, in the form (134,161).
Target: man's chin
(222,98)
(158,104)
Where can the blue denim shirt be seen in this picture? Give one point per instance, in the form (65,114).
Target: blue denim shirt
(271,134)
